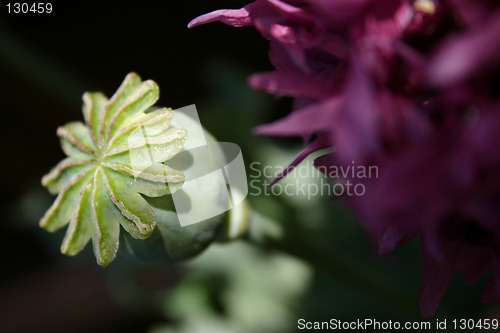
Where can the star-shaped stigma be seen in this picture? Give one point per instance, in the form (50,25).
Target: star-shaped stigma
(113,159)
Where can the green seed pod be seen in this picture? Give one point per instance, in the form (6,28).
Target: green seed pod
(170,242)
(104,194)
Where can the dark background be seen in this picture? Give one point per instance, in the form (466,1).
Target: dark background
(47,61)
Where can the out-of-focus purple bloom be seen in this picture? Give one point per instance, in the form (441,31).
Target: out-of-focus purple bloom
(411,86)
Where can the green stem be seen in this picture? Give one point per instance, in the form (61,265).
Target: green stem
(350,271)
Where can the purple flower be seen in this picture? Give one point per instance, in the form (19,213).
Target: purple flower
(410,86)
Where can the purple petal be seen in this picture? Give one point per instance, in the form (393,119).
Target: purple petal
(233,17)
(484,138)
(462,56)
(290,84)
(281,59)
(341,11)
(304,122)
(336,45)
(389,18)
(357,132)
(320,143)
(409,54)
(297,55)
(394,236)
(401,121)
(470,11)
(324,162)
(490,293)
(294,14)
(286,34)
(437,274)
(474,262)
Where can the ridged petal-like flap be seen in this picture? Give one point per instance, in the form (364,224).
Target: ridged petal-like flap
(99,184)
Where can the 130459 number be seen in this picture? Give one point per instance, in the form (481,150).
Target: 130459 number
(26,8)
(475,324)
